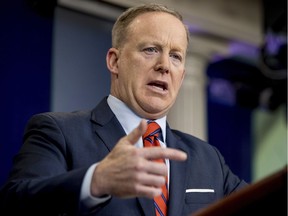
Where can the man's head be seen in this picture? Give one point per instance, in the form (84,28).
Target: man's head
(147,59)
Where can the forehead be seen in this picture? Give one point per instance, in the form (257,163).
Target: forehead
(158,26)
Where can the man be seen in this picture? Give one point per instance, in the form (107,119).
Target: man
(94,163)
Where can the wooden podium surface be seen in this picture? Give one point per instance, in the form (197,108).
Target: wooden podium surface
(265,197)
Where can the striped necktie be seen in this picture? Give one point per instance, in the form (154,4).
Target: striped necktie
(150,139)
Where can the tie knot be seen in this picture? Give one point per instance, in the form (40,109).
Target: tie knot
(153,130)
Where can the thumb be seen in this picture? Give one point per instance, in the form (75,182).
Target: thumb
(137,133)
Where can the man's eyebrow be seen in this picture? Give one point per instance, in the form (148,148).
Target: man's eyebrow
(148,43)
(160,46)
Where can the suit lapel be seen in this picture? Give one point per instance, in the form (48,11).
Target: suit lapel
(106,125)
(178,173)
(109,130)
(147,206)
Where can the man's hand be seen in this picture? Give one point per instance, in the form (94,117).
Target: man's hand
(128,171)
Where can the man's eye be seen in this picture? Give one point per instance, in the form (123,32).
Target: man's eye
(176,56)
(150,49)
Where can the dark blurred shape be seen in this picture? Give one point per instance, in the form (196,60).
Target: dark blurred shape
(43,7)
(248,86)
(262,83)
(265,197)
(275,16)
(274,50)
(25,68)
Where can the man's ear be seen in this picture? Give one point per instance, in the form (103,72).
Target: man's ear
(112,60)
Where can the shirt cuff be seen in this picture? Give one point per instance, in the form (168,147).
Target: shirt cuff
(87,201)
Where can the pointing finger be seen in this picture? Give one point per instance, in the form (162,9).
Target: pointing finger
(137,133)
(154,153)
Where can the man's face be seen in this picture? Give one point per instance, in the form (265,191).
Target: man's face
(149,67)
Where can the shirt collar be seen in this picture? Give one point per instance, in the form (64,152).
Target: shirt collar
(123,112)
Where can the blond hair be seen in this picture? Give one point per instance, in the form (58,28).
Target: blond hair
(120,27)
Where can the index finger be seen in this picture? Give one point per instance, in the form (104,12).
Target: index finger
(164,153)
(137,133)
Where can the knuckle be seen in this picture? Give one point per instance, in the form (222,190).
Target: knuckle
(135,152)
(137,189)
(139,166)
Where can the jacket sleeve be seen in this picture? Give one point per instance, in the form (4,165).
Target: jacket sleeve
(41,180)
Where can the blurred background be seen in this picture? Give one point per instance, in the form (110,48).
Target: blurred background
(52,58)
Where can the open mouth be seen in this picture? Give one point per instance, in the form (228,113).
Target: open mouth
(159,84)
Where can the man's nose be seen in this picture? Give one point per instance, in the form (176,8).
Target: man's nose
(163,64)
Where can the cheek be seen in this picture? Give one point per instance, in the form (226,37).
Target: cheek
(131,65)
(178,81)
(137,70)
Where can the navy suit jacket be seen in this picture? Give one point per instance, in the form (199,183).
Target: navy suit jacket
(58,149)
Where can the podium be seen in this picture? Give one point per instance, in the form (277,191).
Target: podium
(265,197)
